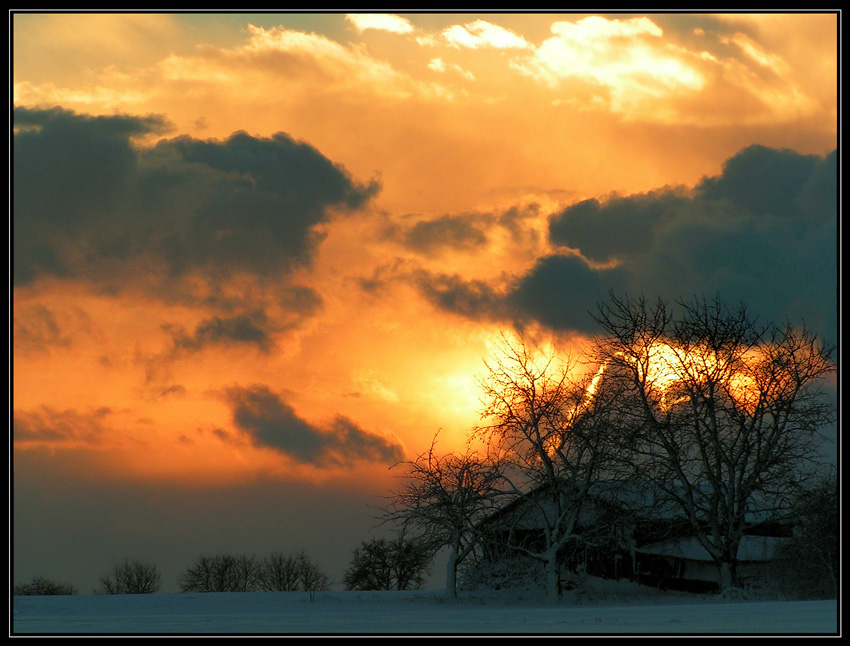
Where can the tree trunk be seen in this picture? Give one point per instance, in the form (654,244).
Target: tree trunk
(553,578)
(451,574)
(727,576)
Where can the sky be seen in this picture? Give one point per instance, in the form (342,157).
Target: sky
(259,259)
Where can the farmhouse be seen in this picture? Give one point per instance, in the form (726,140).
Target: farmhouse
(618,533)
(684,564)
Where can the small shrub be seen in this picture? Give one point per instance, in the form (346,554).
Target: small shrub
(130,577)
(222,573)
(40,586)
(380,564)
(281,572)
(290,572)
(313,579)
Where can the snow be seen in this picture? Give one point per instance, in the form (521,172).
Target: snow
(616,607)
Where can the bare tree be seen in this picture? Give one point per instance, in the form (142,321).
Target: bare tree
(443,503)
(371,567)
(551,438)
(221,573)
(291,572)
(198,577)
(721,413)
(281,572)
(381,564)
(313,579)
(246,574)
(130,577)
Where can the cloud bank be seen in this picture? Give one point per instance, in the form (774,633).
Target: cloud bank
(763,232)
(89,204)
(271,422)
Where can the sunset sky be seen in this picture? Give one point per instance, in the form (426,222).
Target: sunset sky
(260,258)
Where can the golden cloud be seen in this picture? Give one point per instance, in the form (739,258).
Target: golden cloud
(380,21)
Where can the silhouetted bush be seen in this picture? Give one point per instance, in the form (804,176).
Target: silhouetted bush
(130,577)
(379,564)
(313,579)
(290,572)
(281,573)
(41,586)
(222,573)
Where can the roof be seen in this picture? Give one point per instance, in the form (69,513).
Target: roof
(641,501)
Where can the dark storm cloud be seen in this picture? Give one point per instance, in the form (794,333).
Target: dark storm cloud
(69,173)
(763,233)
(446,232)
(264,197)
(89,204)
(473,299)
(252,329)
(758,185)
(463,232)
(618,227)
(766,182)
(272,422)
(561,291)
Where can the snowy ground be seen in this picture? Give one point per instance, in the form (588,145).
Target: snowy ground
(422,612)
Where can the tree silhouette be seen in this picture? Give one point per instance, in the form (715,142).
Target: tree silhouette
(290,572)
(381,564)
(130,577)
(553,441)
(719,412)
(221,573)
(40,586)
(443,503)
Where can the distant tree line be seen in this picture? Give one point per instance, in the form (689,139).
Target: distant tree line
(128,577)
(218,573)
(245,573)
(378,564)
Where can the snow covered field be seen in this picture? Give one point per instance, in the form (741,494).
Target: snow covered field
(421,612)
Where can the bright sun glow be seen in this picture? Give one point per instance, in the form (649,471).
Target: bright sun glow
(672,371)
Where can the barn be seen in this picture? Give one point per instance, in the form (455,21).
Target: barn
(684,564)
(617,537)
